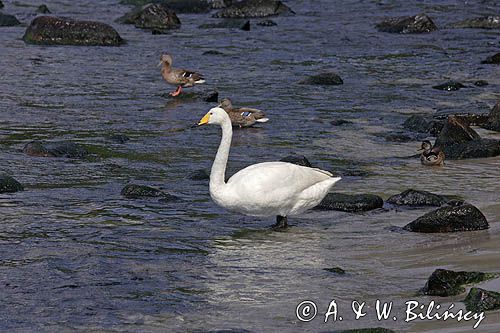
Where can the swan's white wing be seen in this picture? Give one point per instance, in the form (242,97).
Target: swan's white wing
(264,188)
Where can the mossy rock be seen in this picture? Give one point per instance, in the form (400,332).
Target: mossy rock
(443,282)
(9,184)
(134,191)
(479,300)
(51,30)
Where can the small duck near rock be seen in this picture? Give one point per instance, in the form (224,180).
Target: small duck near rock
(431,156)
(182,78)
(242,117)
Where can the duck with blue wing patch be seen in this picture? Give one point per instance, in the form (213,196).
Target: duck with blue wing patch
(242,117)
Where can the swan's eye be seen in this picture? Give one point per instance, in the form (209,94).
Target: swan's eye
(211,113)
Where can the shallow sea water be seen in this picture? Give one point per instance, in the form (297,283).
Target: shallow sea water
(77,256)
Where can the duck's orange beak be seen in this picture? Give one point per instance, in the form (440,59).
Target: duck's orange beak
(204,120)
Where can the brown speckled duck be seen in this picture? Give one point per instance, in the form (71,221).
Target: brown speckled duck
(432,156)
(242,117)
(178,76)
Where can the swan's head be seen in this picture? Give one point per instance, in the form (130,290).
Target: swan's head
(165,59)
(426,145)
(215,116)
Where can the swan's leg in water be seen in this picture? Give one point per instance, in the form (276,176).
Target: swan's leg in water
(281,223)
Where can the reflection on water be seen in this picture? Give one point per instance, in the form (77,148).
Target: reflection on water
(75,255)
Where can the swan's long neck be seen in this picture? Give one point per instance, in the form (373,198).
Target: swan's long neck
(217,175)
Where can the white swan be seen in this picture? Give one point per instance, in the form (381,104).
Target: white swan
(265,189)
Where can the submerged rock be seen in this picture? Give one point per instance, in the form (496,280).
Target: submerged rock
(443,282)
(417,24)
(483,22)
(412,197)
(336,270)
(254,8)
(7,20)
(464,217)
(118,138)
(297,159)
(267,23)
(482,83)
(493,122)
(133,191)
(43,9)
(456,130)
(225,24)
(340,122)
(246,26)
(479,300)
(9,184)
(212,52)
(449,86)
(201,174)
(157,17)
(494,59)
(211,97)
(50,30)
(55,149)
(179,6)
(219,4)
(325,79)
(420,124)
(350,202)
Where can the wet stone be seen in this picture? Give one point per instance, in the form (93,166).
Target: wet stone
(493,122)
(267,23)
(340,122)
(156,17)
(483,22)
(43,9)
(201,174)
(9,184)
(134,191)
(246,26)
(479,300)
(482,83)
(420,124)
(212,52)
(7,20)
(456,130)
(443,282)
(336,270)
(297,159)
(55,149)
(449,86)
(324,79)
(412,197)
(494,59)
(350,202)
(50,30)
(464,217)
(420,23)
(254,8)
(211,97)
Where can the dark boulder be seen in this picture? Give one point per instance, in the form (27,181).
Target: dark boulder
(483,22)
(254,8)
(412,197)
(350,202)
(201,174)
(483,83)
(449,86)
(450,219)
(219,4)
(179,6)
(55,149)
(324,79)
(420,124)
(156,17)
(297,159)
(133,191)
(494,59)
(43,9)
(246,26)
(479,300)
(7,20)
(417,24)
(480,148)
(493,122)
(456,130)
(443,282)
(267,23)
(50,30)
(340,122)
(9,184)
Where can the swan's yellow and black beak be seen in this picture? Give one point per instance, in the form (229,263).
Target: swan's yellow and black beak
(204,120)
